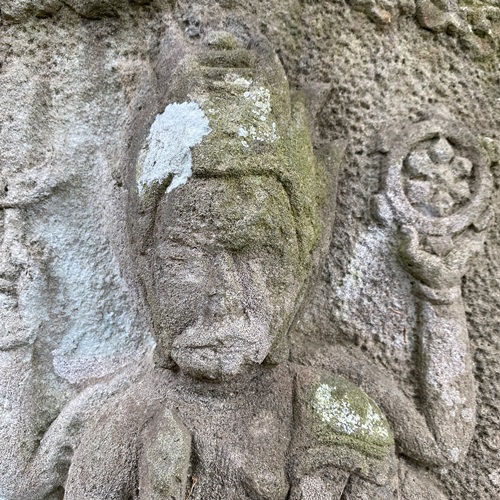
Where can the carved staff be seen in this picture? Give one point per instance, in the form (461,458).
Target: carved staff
(437,190)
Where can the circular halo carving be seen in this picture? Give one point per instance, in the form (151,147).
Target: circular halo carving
(444,147)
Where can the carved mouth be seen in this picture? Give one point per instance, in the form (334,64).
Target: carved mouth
(223,351)
(209,362)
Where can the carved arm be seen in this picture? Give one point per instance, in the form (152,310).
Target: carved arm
(446,366)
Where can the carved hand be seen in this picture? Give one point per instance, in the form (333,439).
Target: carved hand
(435,271)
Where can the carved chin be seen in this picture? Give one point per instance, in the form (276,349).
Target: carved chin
(222,352)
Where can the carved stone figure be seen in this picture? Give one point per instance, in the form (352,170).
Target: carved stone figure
(35,455)
(436,199)
(227,217)
(156,177)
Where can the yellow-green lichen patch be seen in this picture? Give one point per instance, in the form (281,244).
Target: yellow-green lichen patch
(245,116)
(255,132)
(305,181)
(343,414)
(222,40)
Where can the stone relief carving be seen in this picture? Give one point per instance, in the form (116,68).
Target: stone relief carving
(42,415)
(228,231)
(436,202)
(214,206)
(437,190)
(361,407)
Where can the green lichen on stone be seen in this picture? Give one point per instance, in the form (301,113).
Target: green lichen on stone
(255,213)
(306,184)
(256,133)
(342,414)
(222,40)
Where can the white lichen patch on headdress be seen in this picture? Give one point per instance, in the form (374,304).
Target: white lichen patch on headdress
(237,81)
(167,150)
(261,129)
(339,414)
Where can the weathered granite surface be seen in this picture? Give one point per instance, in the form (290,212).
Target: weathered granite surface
(294,202)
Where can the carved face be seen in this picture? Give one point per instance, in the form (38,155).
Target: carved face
(226,273)
(228,192)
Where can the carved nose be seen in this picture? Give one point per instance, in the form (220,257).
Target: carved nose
(225,295)
(223,302)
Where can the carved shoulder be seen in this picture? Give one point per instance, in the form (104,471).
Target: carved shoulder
(104,466)
(339,425)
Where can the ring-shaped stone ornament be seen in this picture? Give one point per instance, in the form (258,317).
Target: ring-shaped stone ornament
(469,147)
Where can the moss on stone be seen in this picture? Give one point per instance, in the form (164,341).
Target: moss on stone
(256,133)
(342,414)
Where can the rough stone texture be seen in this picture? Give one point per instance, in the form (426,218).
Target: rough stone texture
(226,251)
